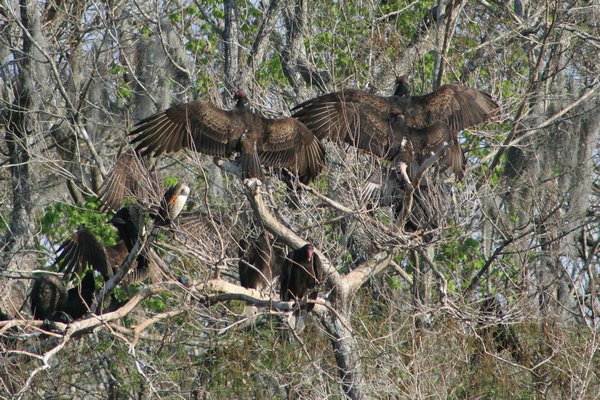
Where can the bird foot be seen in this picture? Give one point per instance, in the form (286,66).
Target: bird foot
(252,183)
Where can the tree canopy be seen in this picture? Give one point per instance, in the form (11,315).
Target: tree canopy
(432,286)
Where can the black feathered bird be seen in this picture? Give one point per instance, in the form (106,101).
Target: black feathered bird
(48,295)
(205,128)
(260,264)
(51,301)
(260,261)
(401,128)
(301,275)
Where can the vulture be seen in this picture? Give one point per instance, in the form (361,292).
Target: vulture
(201,126)
(131,177)
(301,275)
(260,262)
(50,299)
(83,248)
(48,296)
(400,128)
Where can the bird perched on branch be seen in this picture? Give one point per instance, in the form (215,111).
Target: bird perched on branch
(51,300)
(260,263)
(48,295)
(131,177)
(400,128)
(203,127)
(301,275)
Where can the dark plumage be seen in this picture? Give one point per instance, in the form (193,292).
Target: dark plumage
(48,296)
(301,275)
(260,262)
(80,298)
(203,127)
(131,177)
(83,248)
(51,301)
(401,128)
(502,334)
(402,87)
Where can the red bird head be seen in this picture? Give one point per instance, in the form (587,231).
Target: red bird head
(401,79)
(310,249)
(240,94)
(269,236)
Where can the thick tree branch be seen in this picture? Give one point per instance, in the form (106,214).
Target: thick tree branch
(358,276)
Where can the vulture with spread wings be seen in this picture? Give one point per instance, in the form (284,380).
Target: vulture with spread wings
(205,128)
(400,127)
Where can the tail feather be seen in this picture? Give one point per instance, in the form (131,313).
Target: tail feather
(251,166)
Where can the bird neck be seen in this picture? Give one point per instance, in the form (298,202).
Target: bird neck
(242,102)
(402,90)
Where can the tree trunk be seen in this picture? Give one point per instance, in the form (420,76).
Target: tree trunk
(345,348)
(17,245)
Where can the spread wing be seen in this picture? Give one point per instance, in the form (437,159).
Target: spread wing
(199,126)
(81,249)
(459,106)
(352,116)
(288,143)
(130,177)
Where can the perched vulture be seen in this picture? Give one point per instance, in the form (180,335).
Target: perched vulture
(48,296)
(131,177)
(301,275)
(83,248)
(50,299)
(260,263)
(203,127)
(80,298)
(400,128)
(402,87)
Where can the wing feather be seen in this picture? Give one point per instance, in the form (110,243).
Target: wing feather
(288,143)
(199,126)
(363,125)
(81,249)
(459,106)
(130,177)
